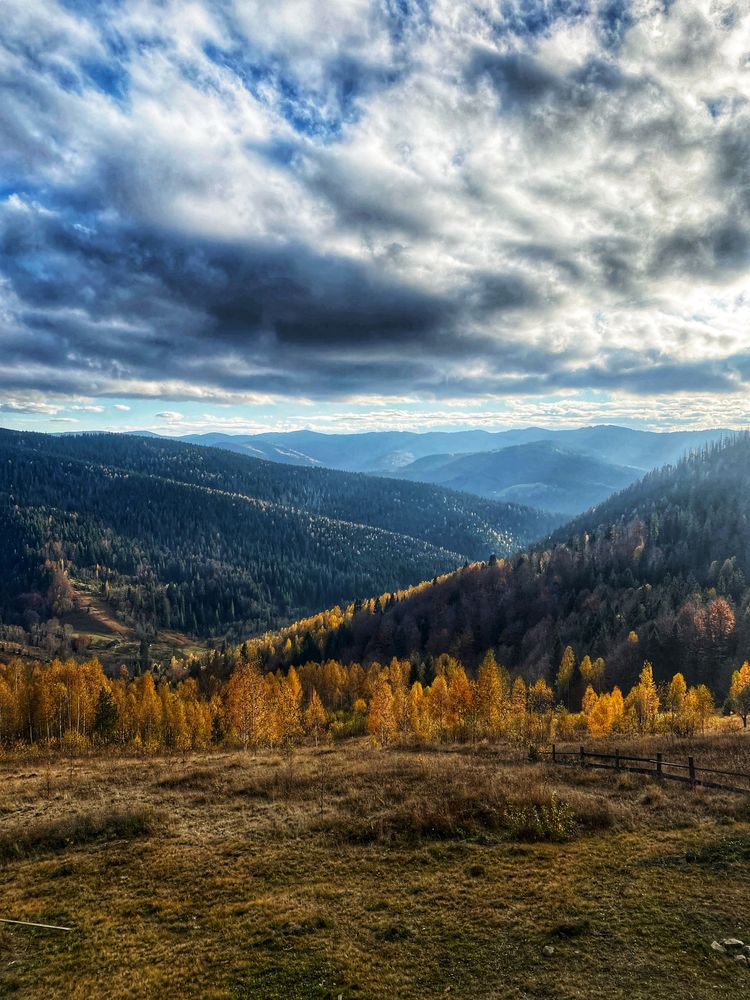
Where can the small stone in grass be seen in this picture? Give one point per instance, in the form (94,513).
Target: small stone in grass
(718,947)
(732,944)
(548,951)
(741,960)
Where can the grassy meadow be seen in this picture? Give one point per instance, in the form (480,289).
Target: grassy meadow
(352,872)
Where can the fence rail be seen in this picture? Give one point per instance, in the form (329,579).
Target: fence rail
(658,767)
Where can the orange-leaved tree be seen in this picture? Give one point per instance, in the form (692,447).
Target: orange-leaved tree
(739,692)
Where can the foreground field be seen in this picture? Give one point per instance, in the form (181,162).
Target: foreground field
(357,873)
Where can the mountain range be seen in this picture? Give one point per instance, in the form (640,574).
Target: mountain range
(541,474)
(562,471)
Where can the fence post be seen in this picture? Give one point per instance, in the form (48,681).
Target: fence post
(583,755)
(658,766)
(553,753)
(691,767)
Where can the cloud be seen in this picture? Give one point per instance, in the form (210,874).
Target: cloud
(171,416)
(122,407)
(28,406)
(365,200)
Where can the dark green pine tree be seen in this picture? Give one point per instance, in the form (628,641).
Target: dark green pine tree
(105,716)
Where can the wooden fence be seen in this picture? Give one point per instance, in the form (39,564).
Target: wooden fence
(657,767)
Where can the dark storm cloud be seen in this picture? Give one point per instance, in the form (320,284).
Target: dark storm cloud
(232,291)
(524,84)
(370,198)
(362,207)
(498,293)
(711,249)
(121,300)
(520,80)
(732,159)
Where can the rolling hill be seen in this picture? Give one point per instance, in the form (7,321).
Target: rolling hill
(253,447)
(204,541)
(562,471)
(387,452)
(371,452)
(659,572)
(541,473)
(459,522)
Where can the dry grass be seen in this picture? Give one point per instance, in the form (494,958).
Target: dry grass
(727,749)
(368,874)
(407,800)
(24,840)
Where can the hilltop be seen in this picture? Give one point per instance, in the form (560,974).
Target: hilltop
(658,572)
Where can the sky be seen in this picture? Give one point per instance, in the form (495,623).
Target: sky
(252,215)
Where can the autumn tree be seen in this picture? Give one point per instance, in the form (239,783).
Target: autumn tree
(491,697)
(438,705)
(315,716)
(739,692)
(564,679)
(699,705)
(461,705)
(287,705)
(540,699)
(675,702)
(247,706)
(643,700)
(381,719)
(418,710)
(589,700)
(600,717)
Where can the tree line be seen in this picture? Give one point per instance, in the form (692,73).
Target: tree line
(75,706)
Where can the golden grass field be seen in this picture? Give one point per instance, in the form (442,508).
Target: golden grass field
(361,873)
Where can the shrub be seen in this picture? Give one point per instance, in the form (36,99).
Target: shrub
(554,820)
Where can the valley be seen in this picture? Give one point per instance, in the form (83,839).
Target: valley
(362,803)
(207,544)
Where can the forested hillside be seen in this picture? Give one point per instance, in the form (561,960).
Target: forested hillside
(659,573)
(474,527)
(209,543)
(186,557)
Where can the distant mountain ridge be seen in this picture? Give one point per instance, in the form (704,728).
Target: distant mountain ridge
(560,471)
(541,474)
(386,452)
